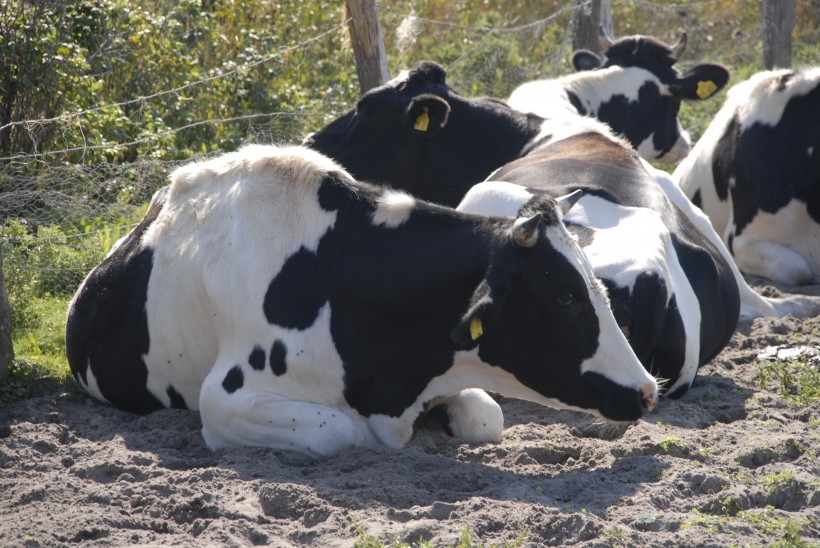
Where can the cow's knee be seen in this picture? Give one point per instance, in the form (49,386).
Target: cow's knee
(474,416)
(771,260)
(245,417)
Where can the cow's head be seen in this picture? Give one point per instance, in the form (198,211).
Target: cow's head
(641,98)
(541,314)
(417,115)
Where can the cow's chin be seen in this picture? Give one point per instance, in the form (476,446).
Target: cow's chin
(608,401)
(614,402)
(677,153)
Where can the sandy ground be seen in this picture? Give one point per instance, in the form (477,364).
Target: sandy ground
(731,463)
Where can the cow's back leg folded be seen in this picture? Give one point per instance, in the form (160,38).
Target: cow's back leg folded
(243,416)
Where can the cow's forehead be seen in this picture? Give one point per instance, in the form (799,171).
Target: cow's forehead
(425,73)
(635,47)
(402,78)
(567,245)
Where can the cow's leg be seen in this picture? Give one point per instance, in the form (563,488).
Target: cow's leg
(473,416)
(771,260)
(255,418)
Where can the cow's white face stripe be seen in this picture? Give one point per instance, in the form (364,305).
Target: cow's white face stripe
(393,209)
(566,245)
(621,365)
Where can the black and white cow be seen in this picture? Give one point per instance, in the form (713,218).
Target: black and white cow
(673,285)
(634,88)
(756,174)
(299,309)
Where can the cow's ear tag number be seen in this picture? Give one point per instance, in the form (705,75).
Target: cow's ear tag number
(476,329)
(705,89)
(423,120)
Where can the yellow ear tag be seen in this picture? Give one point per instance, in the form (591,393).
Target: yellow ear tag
(476,329)
(706,88)
(422,121)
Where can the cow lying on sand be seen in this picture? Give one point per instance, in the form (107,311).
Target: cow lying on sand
(299,309)
(756,174)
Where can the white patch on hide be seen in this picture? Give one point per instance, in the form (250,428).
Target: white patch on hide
(393,209)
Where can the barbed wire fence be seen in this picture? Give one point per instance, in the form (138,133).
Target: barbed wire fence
(61,217)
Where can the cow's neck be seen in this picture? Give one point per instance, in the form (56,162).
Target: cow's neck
(503,138)
(396,294)
(435,254)
(471,154)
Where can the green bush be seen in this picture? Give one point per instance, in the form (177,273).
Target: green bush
(46,262)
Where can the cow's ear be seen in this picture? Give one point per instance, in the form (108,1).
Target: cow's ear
(583,59)
(427,114)
(701,82)
(470,328)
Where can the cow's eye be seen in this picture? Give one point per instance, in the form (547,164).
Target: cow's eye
(566,300)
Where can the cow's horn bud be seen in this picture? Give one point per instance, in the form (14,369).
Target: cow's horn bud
(680,46)
(566,202)
(603,39)
(525,230)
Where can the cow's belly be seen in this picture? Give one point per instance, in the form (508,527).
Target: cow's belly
(796,250)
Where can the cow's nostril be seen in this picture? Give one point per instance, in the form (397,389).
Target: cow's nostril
(649,396)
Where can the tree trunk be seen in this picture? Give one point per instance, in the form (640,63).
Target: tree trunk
(777,20)
(6,350)
(368,46)
(588,14)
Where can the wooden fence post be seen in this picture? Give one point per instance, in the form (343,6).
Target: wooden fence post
(777,20)
(6,349)
(586,17)
(368,46)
